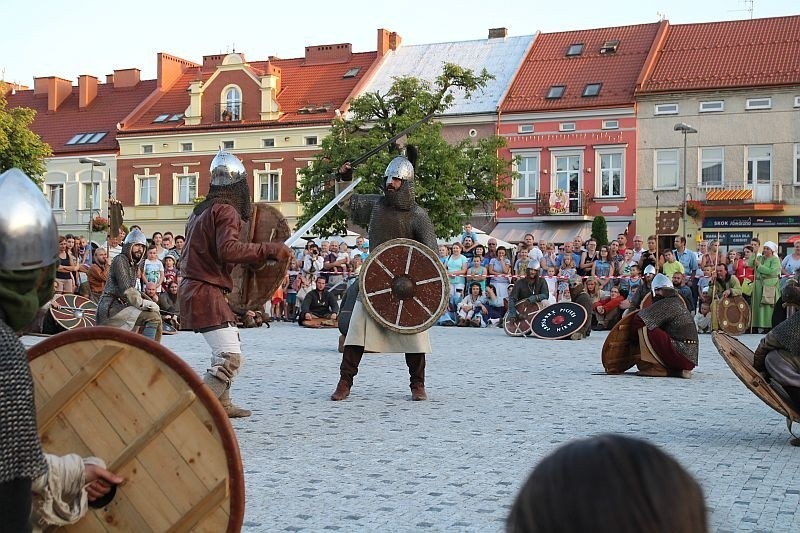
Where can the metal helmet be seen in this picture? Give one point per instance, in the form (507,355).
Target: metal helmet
(661,282)
(400,168)
(649,269)
(28,231)
(226,169)
(136,236)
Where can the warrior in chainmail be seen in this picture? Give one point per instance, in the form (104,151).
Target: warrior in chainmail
(392,215)
(667,335)
(121,305)
(213,247)
(531,288)
(778,354)
(28,260)
(578,294)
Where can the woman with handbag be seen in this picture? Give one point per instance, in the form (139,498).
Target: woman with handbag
(765,292)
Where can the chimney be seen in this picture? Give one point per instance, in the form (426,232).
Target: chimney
(329,53)
(394,40)
(383,41)
(128,77)
(212,62)
(498,33)
(56,89)
(109,78)
(87,90)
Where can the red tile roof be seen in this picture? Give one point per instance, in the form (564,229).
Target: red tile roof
(718,55)
(547,65)
(108,108)
(302,85)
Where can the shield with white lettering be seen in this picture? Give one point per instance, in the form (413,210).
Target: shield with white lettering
(559,321)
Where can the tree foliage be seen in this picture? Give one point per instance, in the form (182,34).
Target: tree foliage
(19,146)
(600,230)
(452,179)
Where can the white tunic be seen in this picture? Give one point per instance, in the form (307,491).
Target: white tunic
(365,331)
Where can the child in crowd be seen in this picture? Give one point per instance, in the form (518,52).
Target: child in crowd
(493,307)
(703,318)
(291,289)
(567,270)
(170,272)
(634,282)
(152,270)
(477,273)
(552,285)
(705,281)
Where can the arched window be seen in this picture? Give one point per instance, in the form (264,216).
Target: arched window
(231,104)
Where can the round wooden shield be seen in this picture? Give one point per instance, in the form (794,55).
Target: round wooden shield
(116,395)
(404,286)
(526,312)
(617,355)
(559,321)
(73,311)
(733,315)
(647,301)
(740,359)
(253,288)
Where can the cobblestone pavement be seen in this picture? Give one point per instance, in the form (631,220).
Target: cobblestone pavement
(378,461)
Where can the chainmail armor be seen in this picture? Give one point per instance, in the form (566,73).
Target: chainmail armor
(236,195)
(20,450)
(121,276)
(670,314)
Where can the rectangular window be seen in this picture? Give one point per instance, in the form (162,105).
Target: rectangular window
(759,164)
(797,101)
(56,194)
(666,169)
(90,196)
(592,89)
(148,190)
(525,128)
(568,174)
(186,147)
(268,187)
(147,148)
(527,185)
(712,170)
(187,188)
(575,49)
(758,103)
(566,126)
(611,124)
(713,106)
(611,174)
(227,145)
(666,109)
(797,164)
(161,118)
(556,91)
(311,141)
(268,143)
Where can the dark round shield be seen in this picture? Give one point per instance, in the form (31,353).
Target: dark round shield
(733,315)
(72,311)
(404,286)
(559,321)
(740,359)
(253,288)
(116,395)
(526,312)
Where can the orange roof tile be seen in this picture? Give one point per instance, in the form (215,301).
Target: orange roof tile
(547,65)
(108,108)
(302,85)
(718,55)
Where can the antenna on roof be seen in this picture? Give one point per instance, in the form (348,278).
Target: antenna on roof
(748,6)
(661,16)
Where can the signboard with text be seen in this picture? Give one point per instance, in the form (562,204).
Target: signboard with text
(729,238)
(750,222)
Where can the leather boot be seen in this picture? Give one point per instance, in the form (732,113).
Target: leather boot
(416,372)
(217,386)
(351,357)
(232,410)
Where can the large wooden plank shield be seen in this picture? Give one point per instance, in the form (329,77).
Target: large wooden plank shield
(252,288)
(404,286)
(618,355)
(526,312)
(733,315)
(740,359)
(116,395)
(72,311)
(559,321)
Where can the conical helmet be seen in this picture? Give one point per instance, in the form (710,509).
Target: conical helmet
(28,231)
(400,168)
(136,236)
(226,169)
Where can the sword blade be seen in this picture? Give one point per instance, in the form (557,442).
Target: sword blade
(297,235)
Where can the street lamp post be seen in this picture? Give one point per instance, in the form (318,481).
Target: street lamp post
(686,130)
(94,163)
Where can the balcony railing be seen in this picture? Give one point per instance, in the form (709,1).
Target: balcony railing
(560,202)
(738,193)
(227,112)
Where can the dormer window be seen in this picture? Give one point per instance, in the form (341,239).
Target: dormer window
(352,73)
(592,89)
(556,92)
(231,105)
(575,49)
(610,46)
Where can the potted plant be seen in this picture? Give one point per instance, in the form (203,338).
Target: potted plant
(99,223)
(694,209)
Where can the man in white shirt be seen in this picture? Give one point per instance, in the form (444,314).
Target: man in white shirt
(637,247)
(362,249)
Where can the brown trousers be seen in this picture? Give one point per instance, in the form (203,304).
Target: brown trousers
(351,357)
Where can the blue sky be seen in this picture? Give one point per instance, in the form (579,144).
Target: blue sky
(67,39)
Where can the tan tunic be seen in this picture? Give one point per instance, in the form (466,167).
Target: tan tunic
(365,331)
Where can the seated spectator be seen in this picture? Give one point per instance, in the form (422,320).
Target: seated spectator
(685,292)
(608,483)
(703,318)
(492,307)
(319,307)
(170,309)
(606,313)
(469,310)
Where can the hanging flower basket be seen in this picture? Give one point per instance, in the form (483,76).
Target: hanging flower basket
(99,224)
(694,209)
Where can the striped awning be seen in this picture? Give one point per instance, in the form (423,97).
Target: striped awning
(717,195)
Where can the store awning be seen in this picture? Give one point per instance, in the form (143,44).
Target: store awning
(557,232)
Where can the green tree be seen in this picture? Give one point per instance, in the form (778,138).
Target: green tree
(452,179)
(19,146)
(600,230)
